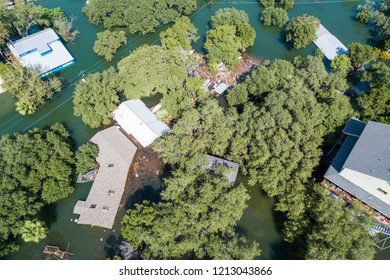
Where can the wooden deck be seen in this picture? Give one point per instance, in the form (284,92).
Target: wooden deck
(57,253)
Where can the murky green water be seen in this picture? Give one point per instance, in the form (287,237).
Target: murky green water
(259,222)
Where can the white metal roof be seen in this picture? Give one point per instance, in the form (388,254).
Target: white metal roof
(329,44)
(43,49)
(221,88)
(136,119)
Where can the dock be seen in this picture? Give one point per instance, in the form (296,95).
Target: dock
(57,253)
(329,44)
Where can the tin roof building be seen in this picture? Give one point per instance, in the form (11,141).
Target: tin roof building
(136,119)
(328,43)
(43,49)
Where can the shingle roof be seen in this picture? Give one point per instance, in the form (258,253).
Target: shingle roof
(371,154)
(116,153)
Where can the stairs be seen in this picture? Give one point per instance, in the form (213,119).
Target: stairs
(381,228)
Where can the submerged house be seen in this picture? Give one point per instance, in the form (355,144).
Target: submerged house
(116,153)
(43,49)
(214,162)
(328,43)
(361,167)
(136,119)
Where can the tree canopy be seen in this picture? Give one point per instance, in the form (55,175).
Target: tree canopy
(25,15)
(149,70)
(282,127)
(96,98)
(108,42)
(337,232)
(300,31)
(199,208)
(25,83)
(274,16)
(36,170)
(138,16)
(195,219)
(230,35)
(86,157)
(33,231)
(180,35)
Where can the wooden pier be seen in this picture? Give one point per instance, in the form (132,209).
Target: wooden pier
(57,253)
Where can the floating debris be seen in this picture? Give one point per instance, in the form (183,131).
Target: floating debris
(76,220)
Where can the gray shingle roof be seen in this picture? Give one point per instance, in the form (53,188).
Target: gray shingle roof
(368,154)
(354,127)
(371,154)
(116,153)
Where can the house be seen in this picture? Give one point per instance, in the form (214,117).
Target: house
(43,49)
(361,167)
(116,153)
(136,119)
(328,43)
(214,162)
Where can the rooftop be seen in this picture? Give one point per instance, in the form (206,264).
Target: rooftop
(328,43)
(116,153)
(233,167)
(366,150)
(136,119)
(42,49)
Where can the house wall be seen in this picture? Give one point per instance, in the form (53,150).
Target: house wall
(368,183)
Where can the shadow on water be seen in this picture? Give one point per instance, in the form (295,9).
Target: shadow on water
(48,214)
(111,247)
(145,193)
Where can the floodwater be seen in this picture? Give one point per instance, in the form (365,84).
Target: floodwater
(259,222)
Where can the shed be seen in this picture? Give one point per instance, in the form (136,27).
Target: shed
(43,49)
(136,119)
(221,88)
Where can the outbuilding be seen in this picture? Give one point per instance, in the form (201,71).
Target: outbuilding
(137,120)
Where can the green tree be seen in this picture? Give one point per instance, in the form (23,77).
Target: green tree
(96,98)
(33,231)
(361,54)
(30,90)
(150,70)
(36,171)
(138,16)
(341,64)
(337,233)
(287,4)
(108,42)
(26,14)
(85,157)
(192,219)
(300,31)
(180,35)
(231,34)
(274,16)
(222,47)
(375,105)
(267,3)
